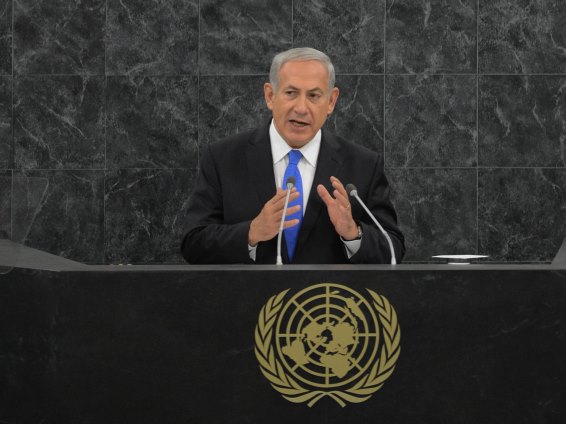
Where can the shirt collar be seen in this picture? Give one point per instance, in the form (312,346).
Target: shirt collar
(280,148)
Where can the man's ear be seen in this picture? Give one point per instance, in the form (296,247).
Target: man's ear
(268,94)
(333,99)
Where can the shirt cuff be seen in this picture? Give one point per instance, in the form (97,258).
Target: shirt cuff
(252,252)
(352,246)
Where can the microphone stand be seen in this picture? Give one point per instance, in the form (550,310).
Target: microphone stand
(290,184)
(352,191)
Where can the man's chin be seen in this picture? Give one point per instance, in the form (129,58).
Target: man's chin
(298,138)
(298,142)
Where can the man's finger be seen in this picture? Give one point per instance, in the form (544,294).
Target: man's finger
(325,195)
(293,209)
(290,223)
(342,199)
(280,203)
(340,192)
(337,184)
(335,180)
(278,195)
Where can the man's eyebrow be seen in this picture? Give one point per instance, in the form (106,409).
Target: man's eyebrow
(311,90)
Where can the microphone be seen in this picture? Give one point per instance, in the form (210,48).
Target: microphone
(353,192)
(290,183)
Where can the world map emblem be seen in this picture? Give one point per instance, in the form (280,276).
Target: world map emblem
(327,340)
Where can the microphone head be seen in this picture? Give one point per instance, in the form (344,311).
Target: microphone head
(290,183)
(351,190)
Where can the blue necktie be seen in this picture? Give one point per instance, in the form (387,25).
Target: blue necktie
(292,234)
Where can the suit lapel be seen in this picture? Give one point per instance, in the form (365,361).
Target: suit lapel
(260,165)
(328,163)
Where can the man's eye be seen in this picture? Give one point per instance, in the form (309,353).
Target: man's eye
(289,93)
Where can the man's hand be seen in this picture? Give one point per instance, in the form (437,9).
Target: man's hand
(265,226)
(339,209)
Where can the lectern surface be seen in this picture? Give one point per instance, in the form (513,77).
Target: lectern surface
(178,344)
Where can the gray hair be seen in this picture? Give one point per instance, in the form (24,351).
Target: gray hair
(300,54)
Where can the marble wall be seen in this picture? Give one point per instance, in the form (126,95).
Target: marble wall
(105,103)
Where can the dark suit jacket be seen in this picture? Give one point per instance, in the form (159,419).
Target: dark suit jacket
(236,179)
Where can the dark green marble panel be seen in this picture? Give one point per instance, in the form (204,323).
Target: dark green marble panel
(230,105)
(522,120)
(151,122)
(6,136)
(60,212)
(522,37)
(144,215)
(6,204)
(431,121)
(242,37)
(152,38)
(437,210)
(350,32)
(59,37)
(358,116)
(522,213)
(432,36)
(6,38)
(59,122)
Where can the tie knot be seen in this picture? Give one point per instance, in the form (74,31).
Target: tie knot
(295,156)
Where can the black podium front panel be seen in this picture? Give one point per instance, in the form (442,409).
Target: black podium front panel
(478,344)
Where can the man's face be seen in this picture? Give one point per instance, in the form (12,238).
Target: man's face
(302,101)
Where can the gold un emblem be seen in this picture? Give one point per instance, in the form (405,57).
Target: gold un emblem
(327,340)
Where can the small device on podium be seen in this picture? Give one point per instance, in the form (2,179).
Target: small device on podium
(460,259)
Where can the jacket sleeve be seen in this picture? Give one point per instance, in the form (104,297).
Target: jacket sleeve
(374,248)
(208,240)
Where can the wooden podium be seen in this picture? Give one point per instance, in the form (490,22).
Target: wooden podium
(175,344)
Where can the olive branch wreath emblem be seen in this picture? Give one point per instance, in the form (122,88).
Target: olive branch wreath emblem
(294,392)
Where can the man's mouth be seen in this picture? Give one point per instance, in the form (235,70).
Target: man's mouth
(298,124)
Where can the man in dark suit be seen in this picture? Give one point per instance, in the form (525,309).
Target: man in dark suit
(236,208)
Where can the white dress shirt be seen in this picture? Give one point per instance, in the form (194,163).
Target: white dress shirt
(307,167)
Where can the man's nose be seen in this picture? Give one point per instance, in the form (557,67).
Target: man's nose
(301,105)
